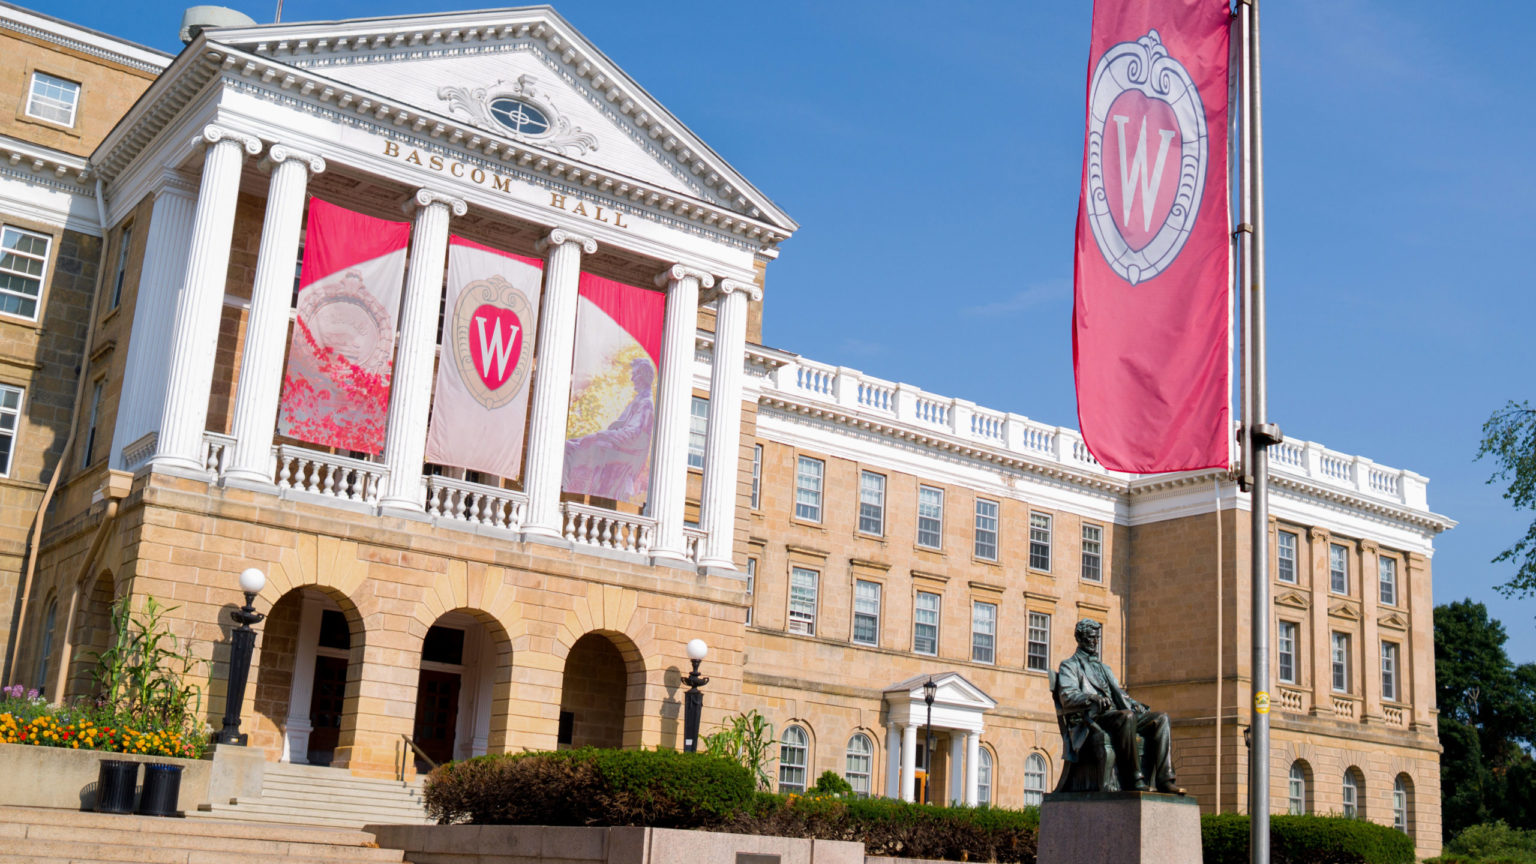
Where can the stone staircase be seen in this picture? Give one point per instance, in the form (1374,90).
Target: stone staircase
(43,836)
(327,797)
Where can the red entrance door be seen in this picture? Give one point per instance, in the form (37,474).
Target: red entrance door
(437,715)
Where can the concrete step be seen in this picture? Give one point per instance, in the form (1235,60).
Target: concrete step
(351,796)
(326,808)
(289,816)
(156,854)
(221,828)
(325,772)
(329,783)
(172,838)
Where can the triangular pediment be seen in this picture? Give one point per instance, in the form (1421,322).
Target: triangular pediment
(1345,610)
(953,690)
(1294,599)
(524,76)
(1393,620)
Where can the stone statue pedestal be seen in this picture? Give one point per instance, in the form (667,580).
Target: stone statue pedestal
(1119,828)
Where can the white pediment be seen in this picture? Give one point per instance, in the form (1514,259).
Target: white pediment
(957,703)
(522,75)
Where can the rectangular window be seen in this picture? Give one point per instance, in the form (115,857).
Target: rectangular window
(124,242)
(1285,569)
(1039,656)
(1287,652)
(866,612)
(1389,671)
(930,517)
(983,632)
(808,475)
(89,450)
(698,422)
(871,503)
(986,529)
(10,415)
(1338,568)
(1340,663)
(1093,553)
(23,259)
(757,476)
(1039,541)
(53,99)
(751,588)
(925,624)
(802,601)
(1387,568)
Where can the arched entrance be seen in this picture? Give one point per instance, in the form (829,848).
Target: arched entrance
(601,693)
(308,641)
(463,659)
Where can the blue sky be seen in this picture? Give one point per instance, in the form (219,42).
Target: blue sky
(931,153)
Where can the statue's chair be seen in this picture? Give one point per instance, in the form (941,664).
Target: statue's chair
(1094,768)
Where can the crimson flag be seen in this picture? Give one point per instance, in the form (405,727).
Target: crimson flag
(1151,307)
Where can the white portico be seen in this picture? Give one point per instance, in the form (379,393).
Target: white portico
(958,706)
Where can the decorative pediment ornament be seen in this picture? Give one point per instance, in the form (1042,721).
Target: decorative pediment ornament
(1394,621)
(1293,599)
(522,110)
(1344,610)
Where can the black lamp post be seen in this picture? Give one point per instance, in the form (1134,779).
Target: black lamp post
(241,643)
(693,700)
(930,689)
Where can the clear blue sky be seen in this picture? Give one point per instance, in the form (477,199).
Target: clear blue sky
(931,153)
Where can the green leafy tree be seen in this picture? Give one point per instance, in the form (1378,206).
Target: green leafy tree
(1487,720)
(1509,438)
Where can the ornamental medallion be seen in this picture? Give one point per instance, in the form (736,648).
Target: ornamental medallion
(489,348)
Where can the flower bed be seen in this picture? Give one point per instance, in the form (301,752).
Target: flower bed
(27,719)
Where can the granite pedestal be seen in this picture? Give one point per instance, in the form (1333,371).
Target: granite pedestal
(1119,828)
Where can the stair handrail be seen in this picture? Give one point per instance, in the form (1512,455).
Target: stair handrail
(419,752)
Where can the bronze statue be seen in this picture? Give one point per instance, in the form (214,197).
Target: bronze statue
(1100,723)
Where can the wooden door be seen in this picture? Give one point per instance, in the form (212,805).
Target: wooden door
(437,715)
(325,706)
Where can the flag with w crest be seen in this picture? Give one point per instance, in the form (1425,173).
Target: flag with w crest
(1151,335)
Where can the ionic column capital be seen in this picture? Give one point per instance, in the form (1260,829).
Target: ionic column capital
(731,286)
(561,236)
(280,153)
(679,272)
(427,197)
(214,134)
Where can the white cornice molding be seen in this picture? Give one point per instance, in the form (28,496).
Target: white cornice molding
(43,160)
(81,39)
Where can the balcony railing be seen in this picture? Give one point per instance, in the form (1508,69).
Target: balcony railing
(475,503)
(328,475)
(606,529)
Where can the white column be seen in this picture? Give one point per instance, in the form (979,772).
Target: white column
(552,380)
(266,330)
(909,762)
(972,766)
(669,453)
(722,440)
(195,333)
(302,689)
(410,388)
(892,762)
(958,766)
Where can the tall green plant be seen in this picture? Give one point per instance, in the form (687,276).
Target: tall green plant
(141,675)
(746,739)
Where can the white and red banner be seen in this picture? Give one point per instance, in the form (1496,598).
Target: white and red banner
(490,318)
(613,390)
(1150,322)
(336,388)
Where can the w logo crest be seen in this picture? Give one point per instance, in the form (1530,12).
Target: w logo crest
(1147,157)
(491,346)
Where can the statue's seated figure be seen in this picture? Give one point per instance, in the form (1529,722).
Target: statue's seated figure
(1100,724)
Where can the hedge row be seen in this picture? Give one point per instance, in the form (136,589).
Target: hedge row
(1305,840)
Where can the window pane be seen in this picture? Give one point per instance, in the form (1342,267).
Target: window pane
(986,529)
(1338,569)
(792,758)
(1039,657)
(10,412)
(866,612)
(983,776)
(21,271)
(1400,805)
(1389,671)
(751,588)
(53,98)
(124,244)
(930,517)
(1351,797)
(1340,663)
(859,763)
(1034,780)
(925,624)
(1093,553)
(871,503)
(1039,541)
(1287,652)
(1286,572)
(1388,571)
(698,423)
(802,601)
(1298,790)
(808,488)
(983,632)
(757,476)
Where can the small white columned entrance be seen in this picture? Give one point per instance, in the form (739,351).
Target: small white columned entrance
(958,706)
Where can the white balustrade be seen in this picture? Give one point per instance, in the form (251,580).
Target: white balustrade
(1385,482)
(1289,453)
(1336,466)
(1041,439)
(877,396)
(217,451)
(1293,700)
(475,503)
(1344,707)
(328,475)
(693,539)
(932,411)
(987,425)
(606,529)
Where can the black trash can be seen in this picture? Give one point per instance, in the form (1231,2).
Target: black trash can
(115,785)
(162,786)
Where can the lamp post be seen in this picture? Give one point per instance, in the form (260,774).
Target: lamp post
(241,643)
(930,689)
(693,700)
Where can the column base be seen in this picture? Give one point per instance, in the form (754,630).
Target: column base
(296,742)
(251,481)
(178,466)
(402,506)
(532,530)
(713,565)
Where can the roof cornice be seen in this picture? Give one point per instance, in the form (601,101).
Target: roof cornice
(82,39)
(43,160)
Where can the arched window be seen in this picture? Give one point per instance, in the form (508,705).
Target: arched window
(859,764)
(1352,789)
(1402,791)
(793,749)
(984,776)
(45,651)
(1298,788)
(1034,780)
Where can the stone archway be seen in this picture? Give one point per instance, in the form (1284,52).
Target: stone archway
(602,692)
(311,642)
(463,687)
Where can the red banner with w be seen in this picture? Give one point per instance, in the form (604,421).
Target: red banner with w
(1151,310)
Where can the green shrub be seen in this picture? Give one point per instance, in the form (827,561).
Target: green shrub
(1491,843)
(661,788)
(830,783)
(1306,840)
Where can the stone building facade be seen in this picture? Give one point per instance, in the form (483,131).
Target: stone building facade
(837,539)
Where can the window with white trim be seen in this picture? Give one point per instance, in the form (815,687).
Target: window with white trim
(10,418)
(23,265)
(757,476)
(1298,790)
(53,99)
(1389,658)
(751,588)
(986,529)
(1285,561)
(983,632)
(802,600)
(124,244)
(859,764)
(45,652)
(808,476)
(698,425)
(1351,789)
(1034,780)
(930,517)
(1287,650)
(1093,553)
(1039,541)
(1400,803)
(1338,568)
(88,451)
(1039,642)
(794,747)
(871,503)
(983,776)
(1340,662)
(925,624)
(866,612)
(1387,574)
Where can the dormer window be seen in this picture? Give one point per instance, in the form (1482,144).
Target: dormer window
(519,116)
